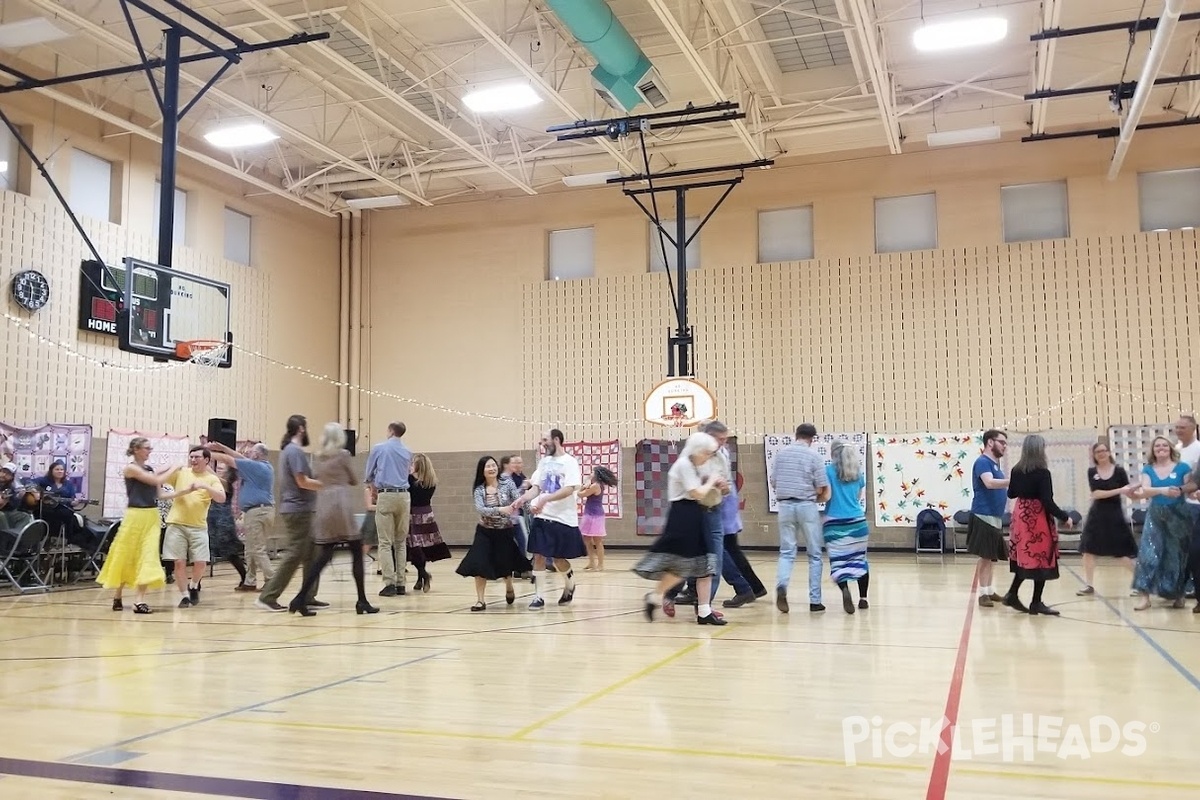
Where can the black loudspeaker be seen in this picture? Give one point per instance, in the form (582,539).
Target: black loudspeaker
(351,440)
(223,431)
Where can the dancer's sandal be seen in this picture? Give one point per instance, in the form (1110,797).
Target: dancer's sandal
(480,606)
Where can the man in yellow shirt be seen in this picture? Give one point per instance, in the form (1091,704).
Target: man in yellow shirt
(196,486)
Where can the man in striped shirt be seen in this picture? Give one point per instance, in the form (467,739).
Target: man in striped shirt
(800,482)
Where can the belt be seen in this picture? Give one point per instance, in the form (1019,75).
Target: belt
(795,500)
(258,505)
(383,489)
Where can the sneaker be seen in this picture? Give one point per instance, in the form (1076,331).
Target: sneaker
(567,596)
(1085,591)
(985,601)
(271,606)
(781,600)
(184,602)
(194,595)
(685,599)
(816,608)
(537,603)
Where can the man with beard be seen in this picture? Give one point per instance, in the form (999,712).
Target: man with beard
(296,501)
(985,527)
(555,534)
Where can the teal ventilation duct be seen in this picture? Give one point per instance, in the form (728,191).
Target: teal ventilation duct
(624,77)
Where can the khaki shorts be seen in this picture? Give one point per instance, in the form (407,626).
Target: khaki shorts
(182,541)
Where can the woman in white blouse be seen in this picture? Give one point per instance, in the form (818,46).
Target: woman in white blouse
(682,550)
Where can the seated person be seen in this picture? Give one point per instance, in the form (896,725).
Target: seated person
(59,502)
(12,518)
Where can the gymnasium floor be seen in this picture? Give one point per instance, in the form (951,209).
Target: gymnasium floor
(591,701)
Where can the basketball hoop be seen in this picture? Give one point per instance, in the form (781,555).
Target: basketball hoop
(208,353)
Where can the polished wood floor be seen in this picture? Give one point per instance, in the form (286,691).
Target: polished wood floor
(428,699)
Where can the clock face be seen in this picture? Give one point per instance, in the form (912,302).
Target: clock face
(30,289)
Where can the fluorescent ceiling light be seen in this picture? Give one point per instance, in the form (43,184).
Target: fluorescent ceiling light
(245,135)
(387,201)
(27,32)
(590,179)
(508,97)
(961,33)
(990,133)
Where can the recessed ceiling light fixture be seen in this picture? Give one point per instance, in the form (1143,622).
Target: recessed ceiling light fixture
(387,201)
(990,133)
(590,179)
(28,32)
(960,34)
(243,135)
(507,97)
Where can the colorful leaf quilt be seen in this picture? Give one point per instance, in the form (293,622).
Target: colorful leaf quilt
(913,472)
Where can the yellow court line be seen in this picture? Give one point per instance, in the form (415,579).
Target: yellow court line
(1058,776)
(607,690)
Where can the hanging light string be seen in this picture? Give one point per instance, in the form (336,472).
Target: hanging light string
(70,351)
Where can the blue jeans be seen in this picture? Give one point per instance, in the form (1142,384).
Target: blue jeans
(793,517)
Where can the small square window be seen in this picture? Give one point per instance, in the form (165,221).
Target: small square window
(906,223)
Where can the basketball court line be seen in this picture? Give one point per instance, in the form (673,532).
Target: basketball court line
(612,687)
(1146,637)
(939,776)
(191,784)
(212,717)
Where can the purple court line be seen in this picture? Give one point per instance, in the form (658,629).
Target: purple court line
(213,717)
(196,784)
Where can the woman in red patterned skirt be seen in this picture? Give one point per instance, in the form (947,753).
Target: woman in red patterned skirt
(424,540)
(1033,554)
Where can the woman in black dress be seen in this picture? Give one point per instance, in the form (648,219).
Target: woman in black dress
(1106,531)
(494,555)
(424,539)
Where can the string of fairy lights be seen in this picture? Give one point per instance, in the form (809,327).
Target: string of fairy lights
(1138,397)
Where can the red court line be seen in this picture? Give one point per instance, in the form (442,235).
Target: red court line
(940,775)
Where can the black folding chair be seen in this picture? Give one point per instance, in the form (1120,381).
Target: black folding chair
(94,560)
(20,563)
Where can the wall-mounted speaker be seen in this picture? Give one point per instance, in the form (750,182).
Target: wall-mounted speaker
(351,440)
(223,431)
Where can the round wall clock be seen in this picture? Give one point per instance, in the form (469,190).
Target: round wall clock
(30,289)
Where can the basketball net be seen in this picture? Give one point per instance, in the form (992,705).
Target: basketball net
(209,357)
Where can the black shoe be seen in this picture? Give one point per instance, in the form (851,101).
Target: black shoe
(685,599)
(711,619)
(480,606)
(363,607)
(317,604)
(400,588)
(1042,608)
(420,584)
(388,591)
(301,609)
(117,604)
(760,593)
(649,609)
(739,600)
(194,595)
(567,596)
(847,600)
(184,602)
(510,597)
(428,584)
(862,603)
(817,607)
(271,606)
(1014,602)
(141,608)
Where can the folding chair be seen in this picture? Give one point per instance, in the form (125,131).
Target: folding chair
(962,519)
(94,561)
(24,556)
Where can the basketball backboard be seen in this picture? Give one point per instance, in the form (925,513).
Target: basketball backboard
(163,307)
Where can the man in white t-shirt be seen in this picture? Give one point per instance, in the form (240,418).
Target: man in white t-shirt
(554,533)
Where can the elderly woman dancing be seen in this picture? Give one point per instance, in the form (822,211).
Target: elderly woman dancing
(682,551)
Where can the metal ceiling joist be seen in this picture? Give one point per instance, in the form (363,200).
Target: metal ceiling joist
(111,40)
(394,97)
(531,74)
(693,57)
(208,161)
(1051,12)
(746,26)
(1145,87)
(868,36)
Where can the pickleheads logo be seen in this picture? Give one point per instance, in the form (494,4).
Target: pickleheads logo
(1013,737)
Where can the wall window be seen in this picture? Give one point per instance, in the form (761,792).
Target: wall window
(572,254)
(180,221)
(92,186)
(906,223)
(237,236)
(692,255)
(10,152)
(785,234)
(1035,211)
(1169,200)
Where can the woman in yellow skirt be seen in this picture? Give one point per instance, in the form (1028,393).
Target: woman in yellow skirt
(133,559)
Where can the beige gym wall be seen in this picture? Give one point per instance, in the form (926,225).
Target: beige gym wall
(463,317)
(284,304)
